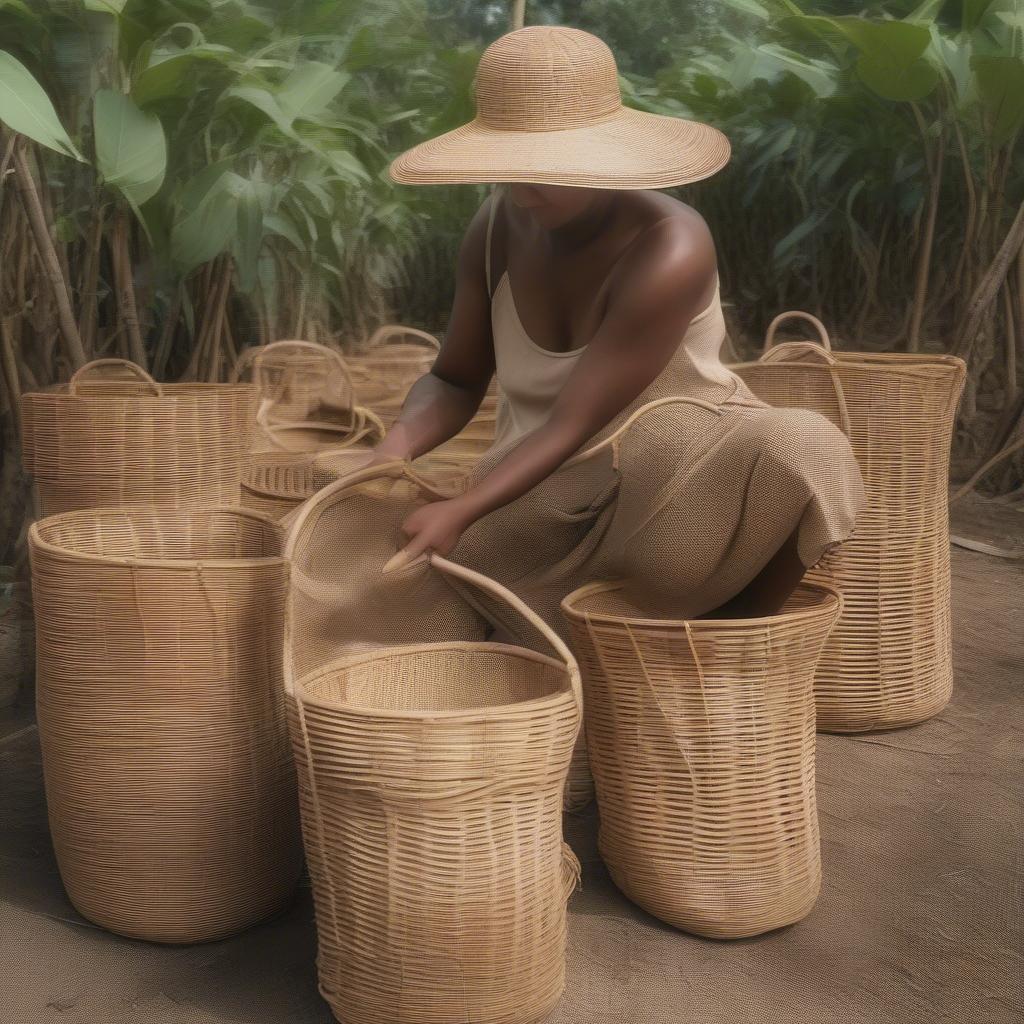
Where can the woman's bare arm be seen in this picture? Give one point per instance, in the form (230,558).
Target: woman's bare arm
(443,401)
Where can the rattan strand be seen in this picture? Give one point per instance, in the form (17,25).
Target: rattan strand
(430,782)
(701,743)
(888,663)
(113,436)
(169,779)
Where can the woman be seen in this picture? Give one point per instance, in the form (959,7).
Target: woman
(591,296)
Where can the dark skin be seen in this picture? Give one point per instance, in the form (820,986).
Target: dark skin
(619,273)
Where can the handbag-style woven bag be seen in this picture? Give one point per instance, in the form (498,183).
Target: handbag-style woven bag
(114,436)
(701,742)
(889,662)
(430,779)
(169,778)
(306,399)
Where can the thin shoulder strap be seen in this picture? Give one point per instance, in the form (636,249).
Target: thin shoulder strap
(495,197)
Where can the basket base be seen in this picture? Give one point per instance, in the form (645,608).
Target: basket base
(839,721)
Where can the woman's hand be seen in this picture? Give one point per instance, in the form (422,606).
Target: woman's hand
(435,527)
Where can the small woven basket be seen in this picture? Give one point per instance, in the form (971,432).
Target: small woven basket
(169,779)
(430,783)
(114,436)
(701,743)
(307,401)
(888,663)
(390,362)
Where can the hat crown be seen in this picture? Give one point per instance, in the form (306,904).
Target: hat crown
(545,78)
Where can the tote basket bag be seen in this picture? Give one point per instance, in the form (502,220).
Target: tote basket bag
(306,398)
(114,436)
(430,782)
(888,663)
(701,742)
(169,779)
(390,362)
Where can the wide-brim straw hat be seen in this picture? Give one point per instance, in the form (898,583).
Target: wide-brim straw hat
(549,111)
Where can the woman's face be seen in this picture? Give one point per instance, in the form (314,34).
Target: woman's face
(554,206)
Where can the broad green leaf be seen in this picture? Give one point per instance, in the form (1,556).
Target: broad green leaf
(131,149)
(265,102)
(1001,88)
(926,12)
(310,89)
(786,247)
(896,43)
(204,231)
(168,73)
(821,77)
(115,7)
(902,83)
(279,224)
(972,13)
(25,108)
(750,7)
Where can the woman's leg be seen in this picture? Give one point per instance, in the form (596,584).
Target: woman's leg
(769,590)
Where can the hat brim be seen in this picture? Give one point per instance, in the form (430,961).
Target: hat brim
(631,149)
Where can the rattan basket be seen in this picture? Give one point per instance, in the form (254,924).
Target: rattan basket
(114,436)
(169,779)
(888,663)
(390,362)
(701,743)
(300,384)
(430,782)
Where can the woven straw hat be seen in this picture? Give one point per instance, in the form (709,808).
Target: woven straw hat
(549,111)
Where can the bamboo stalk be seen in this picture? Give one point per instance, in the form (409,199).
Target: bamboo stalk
(517,15)
(121,249)
(10,374)
(87,322)
(73,348)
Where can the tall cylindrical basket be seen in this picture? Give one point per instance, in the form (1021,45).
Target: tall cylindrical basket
(169,780)
(430,781)
(889,662)
(114,436)
(701,742)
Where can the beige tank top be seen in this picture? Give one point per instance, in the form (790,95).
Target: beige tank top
(530,378)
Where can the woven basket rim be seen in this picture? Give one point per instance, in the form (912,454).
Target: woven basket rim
(909,363)
(38,541)
(175,391)
(466,646)
(832,599)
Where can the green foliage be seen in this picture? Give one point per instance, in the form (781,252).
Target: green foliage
(25,108)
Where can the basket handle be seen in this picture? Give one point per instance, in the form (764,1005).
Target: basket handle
(365,424)
(505,596)
(615,439)
(386,332)
(246,356)
(797,314)
(125,364)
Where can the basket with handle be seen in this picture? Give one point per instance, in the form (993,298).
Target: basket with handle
(306,398)
(114,436)
(392,360)
(430,781)
(169,777)
(888,663)
(701,742)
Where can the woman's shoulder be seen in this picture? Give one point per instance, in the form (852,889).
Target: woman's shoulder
(672,252)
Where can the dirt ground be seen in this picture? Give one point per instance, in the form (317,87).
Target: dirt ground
(919,918)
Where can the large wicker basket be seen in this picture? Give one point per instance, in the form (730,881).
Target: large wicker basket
(888,663)
(430,782)
(701,743)
(169,778)
(113,436)
(307,400)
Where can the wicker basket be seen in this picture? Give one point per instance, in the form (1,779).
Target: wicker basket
(299,383)
(888,664)
(108,439)
(430,782)
(391,361)
(169,779)
(701,742)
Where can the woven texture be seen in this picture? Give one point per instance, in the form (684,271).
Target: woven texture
(430,780)
(113,436)
(701,740)
(548,109)
(161,715)
(888,663)
(306,399)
